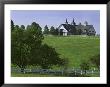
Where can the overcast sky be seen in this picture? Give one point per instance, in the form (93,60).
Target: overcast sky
(56,17)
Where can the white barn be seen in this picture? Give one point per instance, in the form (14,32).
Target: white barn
(73,29)
(62,30)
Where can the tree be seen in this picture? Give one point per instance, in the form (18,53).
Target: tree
(22,27)
(24,44)
(46,30)
(48,57)
(96,60)
(56,31)
(34,39)
(52,30)
(12,25)
(34,35)
(84,66)
(19,49)
(16,27)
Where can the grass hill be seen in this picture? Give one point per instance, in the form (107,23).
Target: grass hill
(75,48)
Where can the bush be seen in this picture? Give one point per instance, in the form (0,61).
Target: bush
(96,60)
(49,57)
(85,66)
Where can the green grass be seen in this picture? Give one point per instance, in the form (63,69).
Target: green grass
(48,75)
(75,48)
(32,75)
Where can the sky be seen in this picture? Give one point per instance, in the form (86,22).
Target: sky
(56,17)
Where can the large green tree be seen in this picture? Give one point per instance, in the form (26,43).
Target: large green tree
(24,43)
(34,40)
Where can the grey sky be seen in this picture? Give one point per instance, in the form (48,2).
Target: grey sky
(56,17)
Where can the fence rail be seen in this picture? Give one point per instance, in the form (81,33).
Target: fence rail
(60,72)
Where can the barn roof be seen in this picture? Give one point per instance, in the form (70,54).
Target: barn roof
(66,26)
(89,27)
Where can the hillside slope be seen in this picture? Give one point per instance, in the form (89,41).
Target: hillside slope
(75,48)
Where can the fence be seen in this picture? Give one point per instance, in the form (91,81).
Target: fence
(70,72)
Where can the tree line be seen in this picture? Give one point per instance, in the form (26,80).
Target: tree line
(52,30)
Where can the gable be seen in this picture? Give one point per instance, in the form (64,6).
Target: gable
(61,27)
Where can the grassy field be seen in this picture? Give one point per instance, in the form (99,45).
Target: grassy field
(31,75)
(75,48)
(46,75)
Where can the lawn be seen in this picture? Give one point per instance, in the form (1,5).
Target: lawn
(75,48)
(32,75)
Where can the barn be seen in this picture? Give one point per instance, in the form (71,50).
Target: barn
(73,29)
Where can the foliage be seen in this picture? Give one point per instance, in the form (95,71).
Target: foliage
(53,31)
(19,49)
(46,30)
(24,42)
(48,57)
(12,25)
(27,48)
(56,31)
(96,60)
(22,27)
(85,66)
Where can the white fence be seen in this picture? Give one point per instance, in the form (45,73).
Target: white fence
(71,72)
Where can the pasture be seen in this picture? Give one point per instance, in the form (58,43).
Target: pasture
(75,48)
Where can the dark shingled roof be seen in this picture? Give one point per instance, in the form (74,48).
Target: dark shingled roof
(68,27)
(89,27)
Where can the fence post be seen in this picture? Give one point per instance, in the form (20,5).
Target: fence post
(94,69)
(81,72)
(62,72)
(30,70)
(92,72)
(75,72)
